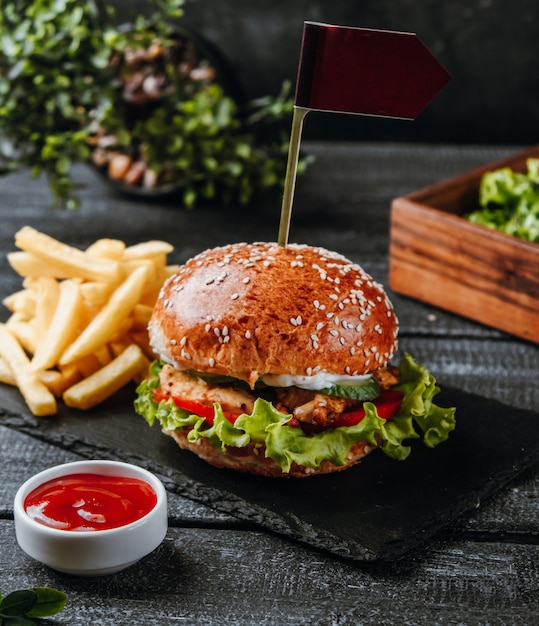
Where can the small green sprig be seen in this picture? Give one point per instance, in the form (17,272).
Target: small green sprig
(64,69)
(23,607)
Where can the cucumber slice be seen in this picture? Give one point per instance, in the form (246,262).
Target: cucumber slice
(359,391)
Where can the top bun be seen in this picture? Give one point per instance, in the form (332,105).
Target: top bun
(246,310)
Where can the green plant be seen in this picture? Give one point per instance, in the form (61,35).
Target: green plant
(64,102)
(22,607)
(47,85)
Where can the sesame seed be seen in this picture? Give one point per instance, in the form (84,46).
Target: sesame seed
(333,296)
(246,280)
(247,334)
(225,331)
(173,342)
(183,340)
(352,350)
(207,328)
(210,281)
(212,362)
(341,341)
(226,339)
(217,332)
(309,371)
(334,333)
(316,304)
(234,296)
(320,325)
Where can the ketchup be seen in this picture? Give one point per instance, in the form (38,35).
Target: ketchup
(82,502)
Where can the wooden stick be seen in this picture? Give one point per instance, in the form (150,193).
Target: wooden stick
(291,170)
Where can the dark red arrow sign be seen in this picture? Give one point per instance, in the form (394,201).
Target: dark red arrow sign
(357,70)
(366,71)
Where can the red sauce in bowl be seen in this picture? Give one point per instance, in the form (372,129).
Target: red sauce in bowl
(83,502)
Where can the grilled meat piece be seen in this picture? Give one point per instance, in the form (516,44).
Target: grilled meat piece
(309,407)
(182,385)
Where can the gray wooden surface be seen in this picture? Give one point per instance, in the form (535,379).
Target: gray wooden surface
(215,569)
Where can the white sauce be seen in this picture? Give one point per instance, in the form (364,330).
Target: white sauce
(320,380)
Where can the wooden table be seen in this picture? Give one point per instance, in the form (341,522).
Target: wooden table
(212,567)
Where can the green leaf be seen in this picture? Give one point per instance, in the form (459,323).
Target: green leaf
(49,602)
(417,417)
(510,202)
(18,603)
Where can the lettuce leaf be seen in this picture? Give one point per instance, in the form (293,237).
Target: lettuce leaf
(418,417)
(509,201)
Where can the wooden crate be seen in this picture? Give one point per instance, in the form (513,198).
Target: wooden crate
(440,258)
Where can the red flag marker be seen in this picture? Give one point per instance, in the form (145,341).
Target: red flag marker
(358,70)
(366,71)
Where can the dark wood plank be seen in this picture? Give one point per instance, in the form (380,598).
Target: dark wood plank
(205,576)
(482,569)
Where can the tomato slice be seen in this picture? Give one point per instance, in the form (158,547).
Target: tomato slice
(193,406)
(387,404)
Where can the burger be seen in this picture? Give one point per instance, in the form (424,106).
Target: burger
(278,361)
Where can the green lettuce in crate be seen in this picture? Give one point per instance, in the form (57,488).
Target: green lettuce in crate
(510,201)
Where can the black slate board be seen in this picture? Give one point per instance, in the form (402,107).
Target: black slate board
(379,509)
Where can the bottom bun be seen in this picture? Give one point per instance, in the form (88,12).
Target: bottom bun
(252,459)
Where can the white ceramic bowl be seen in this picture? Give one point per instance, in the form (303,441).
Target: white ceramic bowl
(93,552)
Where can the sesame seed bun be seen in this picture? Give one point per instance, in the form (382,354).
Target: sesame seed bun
(247,310)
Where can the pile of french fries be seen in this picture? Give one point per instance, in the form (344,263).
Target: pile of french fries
(77,329)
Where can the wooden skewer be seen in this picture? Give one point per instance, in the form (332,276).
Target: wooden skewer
(291,171)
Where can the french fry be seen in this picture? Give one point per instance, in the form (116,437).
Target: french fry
(141,316)
(107,380)
(105,324)
(96,294)
(86,365)
(47,296)
(107,249)
(68,258)
(118,347)
(57,381)
(151,273)
(147,249)
(23,303)
(28,264)
(6,375)
(63,327)
(36,395)
(24,332)
(78,327)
